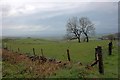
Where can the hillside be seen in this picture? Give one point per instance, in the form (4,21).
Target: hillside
(79,53)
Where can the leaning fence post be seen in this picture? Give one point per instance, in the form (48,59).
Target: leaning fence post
(110,48)
(101,69)
(42,52)
(68,54)
(34,51)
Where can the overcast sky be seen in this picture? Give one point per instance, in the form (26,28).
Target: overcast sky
(39,17)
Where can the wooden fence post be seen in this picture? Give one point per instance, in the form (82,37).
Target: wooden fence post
(3,46)
(42,52)
(95,54)
(96,57)
(34,51)
(101,69)
(18,50)
(68,54)
(10,48)
(6,47)
(110,48)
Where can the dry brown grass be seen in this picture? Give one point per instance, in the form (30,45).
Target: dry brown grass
(40,69)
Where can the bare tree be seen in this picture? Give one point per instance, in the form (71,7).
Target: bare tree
(87,26)
(68,36)
(73,28)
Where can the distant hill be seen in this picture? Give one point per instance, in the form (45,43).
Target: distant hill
(114,36)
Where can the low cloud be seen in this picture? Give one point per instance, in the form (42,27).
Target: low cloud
(26,28)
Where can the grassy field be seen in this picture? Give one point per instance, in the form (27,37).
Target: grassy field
(79,52)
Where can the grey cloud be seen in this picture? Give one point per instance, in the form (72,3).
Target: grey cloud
(5,9)
(104,13)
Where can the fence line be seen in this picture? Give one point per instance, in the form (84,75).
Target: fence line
(98,55)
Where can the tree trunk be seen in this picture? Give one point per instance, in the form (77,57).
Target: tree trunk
(87,38)
(78,40)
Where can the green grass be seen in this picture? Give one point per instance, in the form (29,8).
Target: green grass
(79,52)
(15,71)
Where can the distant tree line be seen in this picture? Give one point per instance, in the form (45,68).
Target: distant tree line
(78,27)
(110,37)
